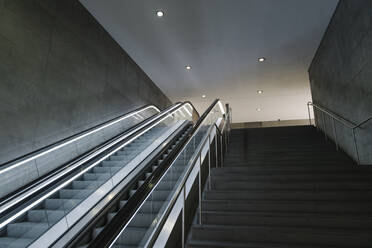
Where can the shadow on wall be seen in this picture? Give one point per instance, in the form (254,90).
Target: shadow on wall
(61,73)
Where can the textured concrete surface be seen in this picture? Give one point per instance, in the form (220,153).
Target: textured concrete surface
(278,123)
(61,73)
(341,74)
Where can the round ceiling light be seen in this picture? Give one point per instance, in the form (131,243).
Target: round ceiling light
(188,67)
(258,109)
(262,59)
(204,96)
(259,91)
(159,13)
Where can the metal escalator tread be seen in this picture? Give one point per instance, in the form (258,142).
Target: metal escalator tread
(132,236)
(144,219)
(7,242)
(29,226)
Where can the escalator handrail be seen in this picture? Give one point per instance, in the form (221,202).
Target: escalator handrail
(23,198)
(192,105)
(125,214)
(111,235)
(191,166)
(4,200)
(63,142)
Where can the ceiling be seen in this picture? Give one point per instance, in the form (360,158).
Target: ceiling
(222,41)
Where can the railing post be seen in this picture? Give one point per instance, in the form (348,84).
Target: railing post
(308,110)
(324,126)
(200,193)
(335,133)
(356,147)
(225,133)
(316,122)
(183,216)
(209,162)
(221,148)
(216,148)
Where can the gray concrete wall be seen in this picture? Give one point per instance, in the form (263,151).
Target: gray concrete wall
(263,124)
(61,73)
(341,74)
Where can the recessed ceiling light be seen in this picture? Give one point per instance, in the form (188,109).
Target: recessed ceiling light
(188,67)
(204,96)
(262,59)
(159,13)
(258,109)
(259,91)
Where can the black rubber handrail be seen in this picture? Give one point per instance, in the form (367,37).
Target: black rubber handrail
(122,218)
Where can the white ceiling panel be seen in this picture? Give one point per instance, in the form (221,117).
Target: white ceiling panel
(222,40)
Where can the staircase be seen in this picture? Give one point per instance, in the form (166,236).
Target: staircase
(285,187)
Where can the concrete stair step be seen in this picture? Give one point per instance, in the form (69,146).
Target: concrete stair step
(292,169)
(247,163)
(226,244)
(288,219)
(282,235)
(283,157)
(299,177)
(363,208)
(295,195)
(309,185)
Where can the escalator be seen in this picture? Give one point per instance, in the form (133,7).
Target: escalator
(139,214)
(41,213)
(128,202)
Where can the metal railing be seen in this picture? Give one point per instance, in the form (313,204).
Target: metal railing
(339,119)
(39,186)
(211,127)
(197,157)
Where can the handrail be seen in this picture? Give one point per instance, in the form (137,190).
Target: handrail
(340,119)
(182,186)
(108,236)
(65,141)
(334,116)
(10,204)
(108,240)
(352,126)
(363,122)
(192,105)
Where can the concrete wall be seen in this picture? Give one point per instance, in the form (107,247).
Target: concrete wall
(341,74)
(263,124)
(61,73)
